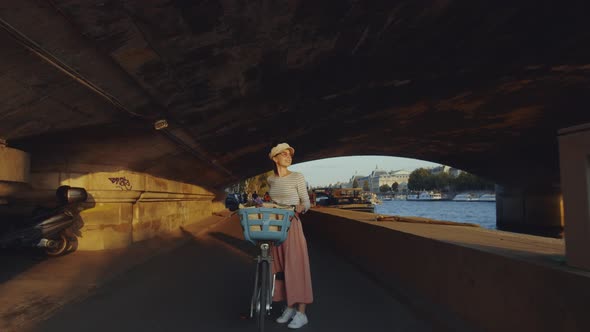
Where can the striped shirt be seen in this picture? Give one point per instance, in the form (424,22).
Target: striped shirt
(289,190)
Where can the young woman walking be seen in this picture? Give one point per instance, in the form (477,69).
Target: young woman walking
(291,260)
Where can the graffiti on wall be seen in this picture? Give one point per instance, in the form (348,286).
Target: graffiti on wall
(122,183)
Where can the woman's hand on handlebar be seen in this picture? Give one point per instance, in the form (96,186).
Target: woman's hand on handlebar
(299,208)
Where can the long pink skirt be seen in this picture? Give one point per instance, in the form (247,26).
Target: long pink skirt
(292,258)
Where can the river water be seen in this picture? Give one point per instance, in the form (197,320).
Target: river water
(481,213)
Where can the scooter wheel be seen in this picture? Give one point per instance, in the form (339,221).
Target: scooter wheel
(60,248)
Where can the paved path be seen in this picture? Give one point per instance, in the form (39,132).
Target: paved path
(205,284)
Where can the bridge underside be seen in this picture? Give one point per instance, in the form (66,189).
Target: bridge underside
(481,87)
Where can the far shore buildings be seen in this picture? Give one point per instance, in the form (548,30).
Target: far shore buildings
(454,172)
(378,178)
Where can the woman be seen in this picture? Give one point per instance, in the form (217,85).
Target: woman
(290,259)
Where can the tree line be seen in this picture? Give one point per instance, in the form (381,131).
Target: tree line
(422,179)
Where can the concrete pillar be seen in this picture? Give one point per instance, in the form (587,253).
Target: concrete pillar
(534,209)
(574,158)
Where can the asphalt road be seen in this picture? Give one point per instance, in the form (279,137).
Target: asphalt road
(205,285)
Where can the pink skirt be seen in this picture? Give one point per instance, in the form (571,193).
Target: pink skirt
(292,258)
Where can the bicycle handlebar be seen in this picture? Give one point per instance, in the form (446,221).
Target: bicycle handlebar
(272,205)
(283,206)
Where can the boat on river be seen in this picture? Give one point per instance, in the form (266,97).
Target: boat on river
(474,198)
(355,207)
(425,196)
(429,196)
(487,198)
(355,199)
(465,198)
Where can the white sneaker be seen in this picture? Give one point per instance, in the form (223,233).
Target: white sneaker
(287,315)
(298,321)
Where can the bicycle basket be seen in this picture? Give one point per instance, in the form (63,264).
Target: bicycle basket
(265,224)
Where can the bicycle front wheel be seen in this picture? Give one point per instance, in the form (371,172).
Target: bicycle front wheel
(263,297)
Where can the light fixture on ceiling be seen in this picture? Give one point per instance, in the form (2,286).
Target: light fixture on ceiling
(160,124)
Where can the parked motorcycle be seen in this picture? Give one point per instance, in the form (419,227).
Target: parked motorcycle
(49,229)
(232,202)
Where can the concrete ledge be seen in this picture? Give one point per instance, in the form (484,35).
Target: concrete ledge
(494,281)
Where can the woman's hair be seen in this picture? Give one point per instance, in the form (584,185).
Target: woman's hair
(275,170)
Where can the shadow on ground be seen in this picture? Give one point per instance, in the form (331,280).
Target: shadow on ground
(16,261)
(240,244)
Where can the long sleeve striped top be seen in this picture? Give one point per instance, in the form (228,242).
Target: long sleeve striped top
(289,190)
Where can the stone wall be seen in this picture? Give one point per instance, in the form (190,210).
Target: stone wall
(125,207)
(574,153)
(485,290)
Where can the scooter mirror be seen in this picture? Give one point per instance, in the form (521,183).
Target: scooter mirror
(232,202)
(68,195)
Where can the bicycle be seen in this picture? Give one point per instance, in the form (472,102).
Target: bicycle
(262,227)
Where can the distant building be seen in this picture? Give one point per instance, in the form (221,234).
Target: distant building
(361,181)
(358,179)
(440,169)
(379,177)
(402,177)
(454,172)
(376,179)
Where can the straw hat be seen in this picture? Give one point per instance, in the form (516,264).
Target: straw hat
(280,148)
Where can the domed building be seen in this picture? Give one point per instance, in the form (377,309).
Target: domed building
(378,178)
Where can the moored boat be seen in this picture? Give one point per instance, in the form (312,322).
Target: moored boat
(465,198)
(355,199)
(355,207)
(429,196)
(487,198)
(425,196)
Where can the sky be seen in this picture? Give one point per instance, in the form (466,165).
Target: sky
(331,170)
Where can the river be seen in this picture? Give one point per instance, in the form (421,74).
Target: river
(481,213)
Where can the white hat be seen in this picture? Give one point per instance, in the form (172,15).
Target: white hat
(280,148)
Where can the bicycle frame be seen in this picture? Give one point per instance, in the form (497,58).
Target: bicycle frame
(263,257)
(262,227)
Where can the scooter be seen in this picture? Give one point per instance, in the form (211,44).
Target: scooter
(49,229)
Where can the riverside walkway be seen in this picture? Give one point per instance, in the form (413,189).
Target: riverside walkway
(200,283)
(367,275)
